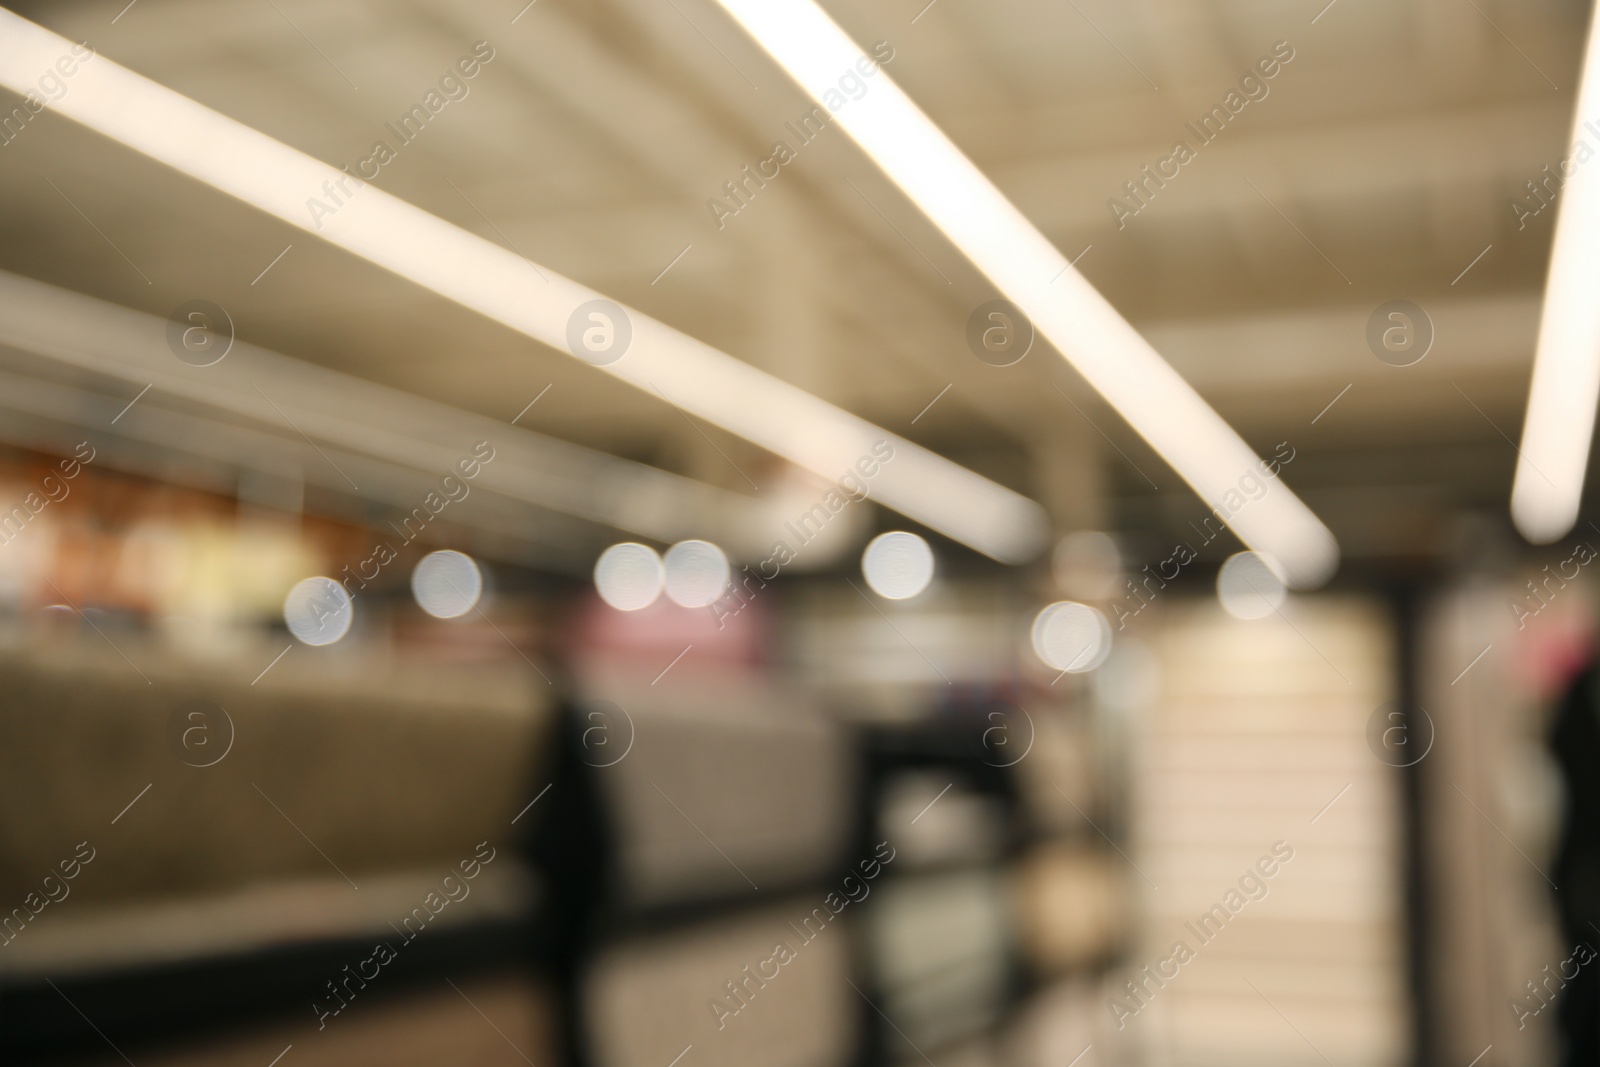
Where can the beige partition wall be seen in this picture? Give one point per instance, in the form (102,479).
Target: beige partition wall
(1268,837)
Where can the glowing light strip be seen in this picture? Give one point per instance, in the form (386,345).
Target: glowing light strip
(1559,426)
(917,156)
(365,419)
(509,289)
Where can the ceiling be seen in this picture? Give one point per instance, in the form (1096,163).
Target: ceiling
(1381,165)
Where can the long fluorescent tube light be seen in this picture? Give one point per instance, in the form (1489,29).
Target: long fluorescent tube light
(533,300)
(977,218)
(1559,426)
(208,453)
(354,416)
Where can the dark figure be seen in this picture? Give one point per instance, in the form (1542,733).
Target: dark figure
(1575,740)
(570,847)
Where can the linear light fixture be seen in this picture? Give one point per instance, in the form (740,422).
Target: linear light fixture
(509,289)
(1559,425)
(351,416)
(977,218)
(208,453)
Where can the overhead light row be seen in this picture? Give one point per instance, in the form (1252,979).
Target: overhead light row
(522,295)
(696,574)
(631,576)
(446,584)
(1068,636)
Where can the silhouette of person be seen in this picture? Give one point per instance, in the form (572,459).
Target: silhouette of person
(1575,741)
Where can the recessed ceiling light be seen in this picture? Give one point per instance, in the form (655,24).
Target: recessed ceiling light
(1250,586)
(318,611)
(629,576)
(897,565)
(696,573)
(447,584)
(1071,637)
